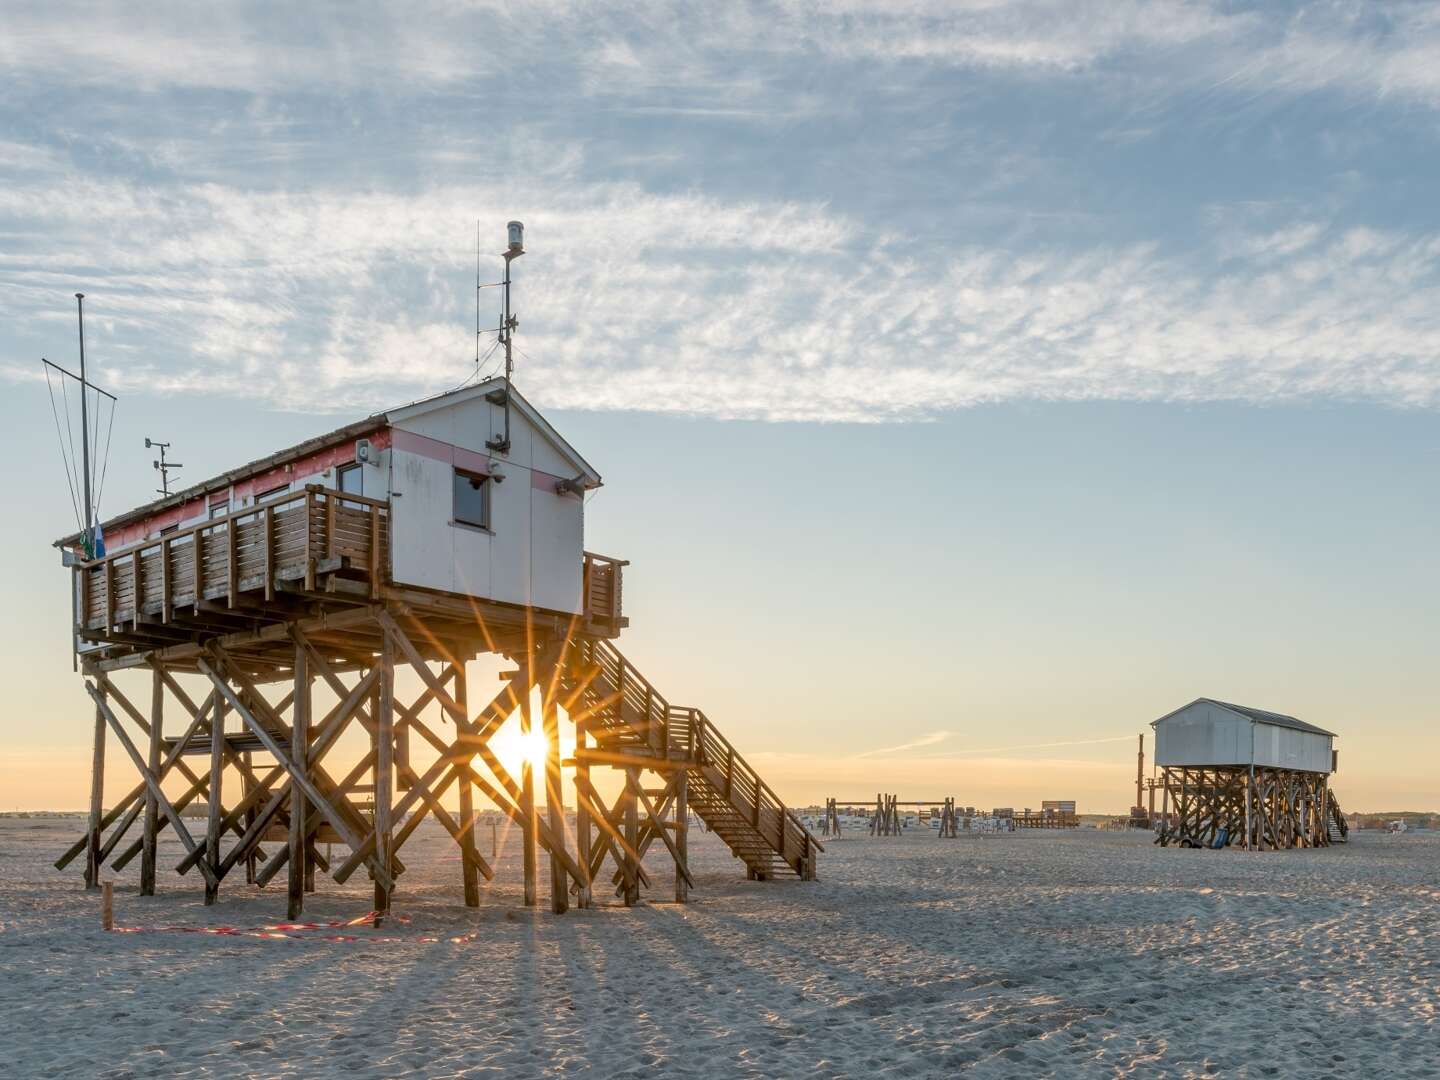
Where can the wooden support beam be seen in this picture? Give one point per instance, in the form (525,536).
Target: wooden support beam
(469,873)
(297,775)
(300,751)
(529,825)
(150,828)
(584,896)
(385,774)
(151,781)
(554,793)
(216,810)
(97,781)
(681,847)
(611,834)
(632,836)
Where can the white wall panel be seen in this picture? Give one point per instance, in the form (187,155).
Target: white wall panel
(1206,734)
(422,548)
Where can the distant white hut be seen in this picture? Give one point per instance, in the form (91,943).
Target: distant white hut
(1246,776)
(1208,732)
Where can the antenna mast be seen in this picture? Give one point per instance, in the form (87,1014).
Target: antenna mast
(516,247)
(477,297)
(163,466)
(88,536)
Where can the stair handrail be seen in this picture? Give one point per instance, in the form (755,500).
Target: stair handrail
(760,784)
(620,661)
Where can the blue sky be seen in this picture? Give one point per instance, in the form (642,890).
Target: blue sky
(1023,370)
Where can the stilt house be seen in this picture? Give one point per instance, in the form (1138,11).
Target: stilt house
(1245,776)
(421,536)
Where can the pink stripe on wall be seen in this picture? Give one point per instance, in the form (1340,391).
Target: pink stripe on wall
(459,457)
(286,472)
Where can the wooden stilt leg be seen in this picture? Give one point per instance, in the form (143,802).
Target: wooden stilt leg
(582,816)
(469,872)
(217,810)
(299,750)
(682,837)
(150,827)
(247,785)
(384,775)
(97,799)
(632,838)
(529,824)
(554,794)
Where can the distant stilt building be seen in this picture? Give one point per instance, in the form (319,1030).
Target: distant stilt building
(1232,775)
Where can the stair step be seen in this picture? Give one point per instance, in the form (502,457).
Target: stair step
(620,722)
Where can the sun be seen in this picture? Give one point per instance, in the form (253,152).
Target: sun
(515,749)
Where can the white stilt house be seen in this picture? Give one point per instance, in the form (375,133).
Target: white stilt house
(421,537)
(455,515)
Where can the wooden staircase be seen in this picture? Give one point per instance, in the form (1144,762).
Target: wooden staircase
(628,717)
(1337,828)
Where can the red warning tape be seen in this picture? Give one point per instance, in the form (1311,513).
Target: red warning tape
(297,931)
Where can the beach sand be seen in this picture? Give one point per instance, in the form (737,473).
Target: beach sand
(1074,954)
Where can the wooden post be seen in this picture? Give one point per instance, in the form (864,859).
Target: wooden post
(632,838)
(151,825)
(300,751)
(554,790)
(529,823)
(584,899)
(97,794)
(682,831)
(1249,808)
(469,872)
(384,776)
(216,810)
(247,786)
(107,906)
(1165,805)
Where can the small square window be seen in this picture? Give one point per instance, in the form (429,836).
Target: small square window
(472,499)
(219,509)
(273,494)
(349,479)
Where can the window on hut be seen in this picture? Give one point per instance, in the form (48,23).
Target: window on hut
(219,509)
(272,494)
(348,478)
(472,499)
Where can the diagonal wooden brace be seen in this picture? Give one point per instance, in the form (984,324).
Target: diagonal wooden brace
(297,776)
(150,781)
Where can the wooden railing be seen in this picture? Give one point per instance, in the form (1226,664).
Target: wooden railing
(602,593)
(640,714)
(313,531)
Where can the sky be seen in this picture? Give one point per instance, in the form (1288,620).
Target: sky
(973,383)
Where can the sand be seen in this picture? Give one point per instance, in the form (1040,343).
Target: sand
(1071,954)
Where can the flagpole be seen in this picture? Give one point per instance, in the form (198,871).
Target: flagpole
(88,539)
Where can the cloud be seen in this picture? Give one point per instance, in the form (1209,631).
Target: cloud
(916,744)
(694,304)
(661,47)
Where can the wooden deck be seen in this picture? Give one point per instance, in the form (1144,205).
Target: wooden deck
(316,555)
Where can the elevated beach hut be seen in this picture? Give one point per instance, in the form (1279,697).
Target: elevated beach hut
(1233,774)
(419,537)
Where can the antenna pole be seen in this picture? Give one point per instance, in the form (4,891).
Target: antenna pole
(516,247)
(477,296)
(89,534)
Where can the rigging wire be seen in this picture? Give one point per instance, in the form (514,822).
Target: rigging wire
(105,465)
(64,457)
